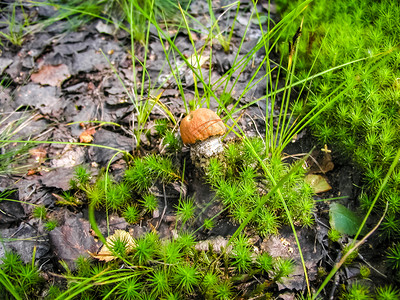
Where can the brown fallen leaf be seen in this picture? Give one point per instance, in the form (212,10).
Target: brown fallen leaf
(51,75)
(39,154)
(87,135)
(320,162)
(31,172)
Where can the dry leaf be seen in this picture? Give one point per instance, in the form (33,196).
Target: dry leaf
(106,254)
(31,172)
(39,154)
(87,135)
(318,183)
(320,162)
(327,164)
(51,75)
(198,60)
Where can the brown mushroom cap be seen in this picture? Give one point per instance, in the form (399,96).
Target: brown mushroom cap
(201,124)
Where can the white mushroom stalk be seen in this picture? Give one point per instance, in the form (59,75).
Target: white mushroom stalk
(202,129)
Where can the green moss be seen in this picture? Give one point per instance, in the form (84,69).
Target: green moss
(24,279)
(239,183)
(364,121)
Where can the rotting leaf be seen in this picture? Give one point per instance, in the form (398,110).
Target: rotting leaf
(51,75)
(87,135)
(39,154)
(344,220)
(318,183)
(198,60)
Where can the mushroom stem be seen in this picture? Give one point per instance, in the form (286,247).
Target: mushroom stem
(202,151)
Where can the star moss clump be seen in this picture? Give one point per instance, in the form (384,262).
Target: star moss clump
(363,123)
(240,184)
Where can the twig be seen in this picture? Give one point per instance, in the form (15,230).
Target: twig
(255,126)
(370,266)
(304,154)
(165,207)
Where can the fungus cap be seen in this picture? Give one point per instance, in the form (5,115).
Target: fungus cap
(201,124)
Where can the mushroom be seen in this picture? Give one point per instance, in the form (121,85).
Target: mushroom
(202,130)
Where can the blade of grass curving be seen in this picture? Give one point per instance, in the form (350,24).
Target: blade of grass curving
(112,292)
(81,9)
(270,114)
(174,72)
(237,3)
(200,75)
(275,189)
(143,110)
(382,186)
(225,42)
(213,217)
(98,279)
(286,133)
(10,287)
(146,50)
(92,218)
(164,108)
(167,53)
(79,288)
(286,96)
(228,74)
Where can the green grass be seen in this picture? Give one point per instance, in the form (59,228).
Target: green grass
(13,158)
(16,30)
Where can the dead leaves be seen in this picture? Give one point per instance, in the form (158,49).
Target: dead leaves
(318,183)
(38,155)
(319,162)
(120,236)
(51,75)
(87,135)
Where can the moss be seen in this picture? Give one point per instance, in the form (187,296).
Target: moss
(241,186)
(364,121)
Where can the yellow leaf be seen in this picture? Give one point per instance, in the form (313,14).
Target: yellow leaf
(318,183)
(106,254)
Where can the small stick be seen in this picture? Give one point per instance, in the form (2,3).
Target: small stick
(165,207)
